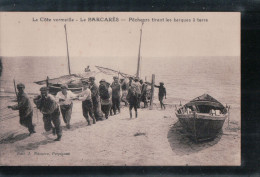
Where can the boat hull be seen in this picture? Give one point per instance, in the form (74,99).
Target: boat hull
(55,88)
(201,127)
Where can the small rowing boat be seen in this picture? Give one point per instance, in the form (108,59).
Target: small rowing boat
(202,117)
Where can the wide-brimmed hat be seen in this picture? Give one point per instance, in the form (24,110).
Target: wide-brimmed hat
(20,85)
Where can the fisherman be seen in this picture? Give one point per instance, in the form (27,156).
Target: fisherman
(136,84)
(124,87)
(95,99)
(116,89)
(25,109)
(161,94)
(104,97)
(110,98)
(87,105)
(144,93)
(48,106)
(64,98)
(130,81)
(87,69)
(132,98)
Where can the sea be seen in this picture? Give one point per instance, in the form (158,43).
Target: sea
(185,78)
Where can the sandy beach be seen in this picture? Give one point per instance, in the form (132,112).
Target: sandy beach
(154,138)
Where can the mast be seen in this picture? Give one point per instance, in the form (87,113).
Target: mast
(67,49)
(138,62)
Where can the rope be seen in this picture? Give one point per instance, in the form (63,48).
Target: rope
(6,118)
(12,113)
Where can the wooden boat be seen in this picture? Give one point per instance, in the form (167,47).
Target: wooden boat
(202,118)
(73,81)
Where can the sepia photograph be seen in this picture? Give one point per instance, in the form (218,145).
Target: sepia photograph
(120,89)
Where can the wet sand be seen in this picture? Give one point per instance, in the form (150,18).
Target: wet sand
(154,138)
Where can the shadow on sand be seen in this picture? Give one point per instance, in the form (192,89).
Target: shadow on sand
(181,144)
(48,140)
(12,138)
(33,146)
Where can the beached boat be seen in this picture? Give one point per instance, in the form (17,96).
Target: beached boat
(73,81)
(202,118)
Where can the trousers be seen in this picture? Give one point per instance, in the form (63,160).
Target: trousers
(87,108)
(27,122)
(106,109)
(66,111)
(116,104)
(54,118)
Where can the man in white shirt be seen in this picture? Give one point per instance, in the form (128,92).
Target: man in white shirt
(64,98)
(87,105)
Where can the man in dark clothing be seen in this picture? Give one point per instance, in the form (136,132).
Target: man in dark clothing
(95,99)
(105,97)
(48,106)
(144,93)
(25,109)
(161,94)
(132,98)
(116,88)
(124,87)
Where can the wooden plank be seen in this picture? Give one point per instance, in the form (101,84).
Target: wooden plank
(152,91)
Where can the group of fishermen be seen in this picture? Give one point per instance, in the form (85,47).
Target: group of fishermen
(105,97)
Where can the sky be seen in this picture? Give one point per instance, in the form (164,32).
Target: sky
(21,36)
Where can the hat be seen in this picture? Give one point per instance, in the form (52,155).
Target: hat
(130,77)
(136,79)
(91,78)
(161,83)
(102,80)
(115,77)
(20,85)
(64,86)
(44,89)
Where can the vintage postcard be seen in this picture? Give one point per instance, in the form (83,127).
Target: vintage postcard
(120,89)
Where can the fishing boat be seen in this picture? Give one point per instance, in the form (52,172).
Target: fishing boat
(202,117)
(73,81)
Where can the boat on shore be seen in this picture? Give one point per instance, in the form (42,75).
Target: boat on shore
(202,117)
(73,81)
